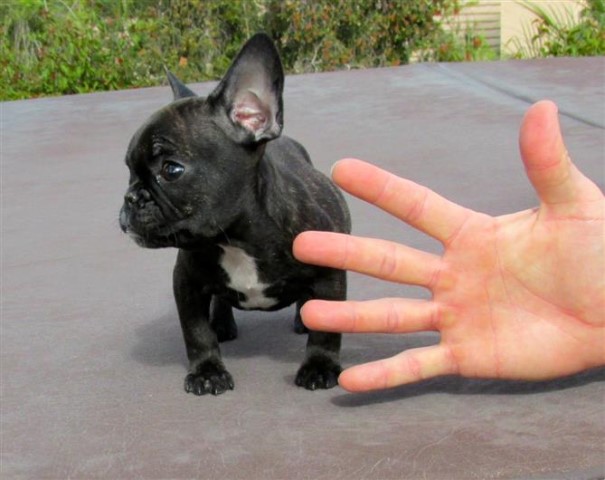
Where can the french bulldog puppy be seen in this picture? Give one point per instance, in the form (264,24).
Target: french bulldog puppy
(213,177)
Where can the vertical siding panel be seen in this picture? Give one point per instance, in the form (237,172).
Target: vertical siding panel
(484,18)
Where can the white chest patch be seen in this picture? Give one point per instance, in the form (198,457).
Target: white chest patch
(243,278)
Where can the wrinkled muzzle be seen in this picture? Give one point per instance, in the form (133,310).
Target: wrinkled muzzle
(142,219)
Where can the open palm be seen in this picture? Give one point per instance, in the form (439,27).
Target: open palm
(520,296)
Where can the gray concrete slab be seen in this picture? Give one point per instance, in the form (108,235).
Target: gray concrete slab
(92,360)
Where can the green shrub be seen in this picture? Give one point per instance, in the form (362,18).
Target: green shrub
(62,47)
(325,35)
(560,35)
(63,50)
(54,48)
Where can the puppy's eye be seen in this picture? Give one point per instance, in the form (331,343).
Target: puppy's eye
(171,171)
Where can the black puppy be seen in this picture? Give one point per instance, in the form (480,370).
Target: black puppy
(213,178)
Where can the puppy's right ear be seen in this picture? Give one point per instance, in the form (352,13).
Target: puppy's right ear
(250,93)
(179,89)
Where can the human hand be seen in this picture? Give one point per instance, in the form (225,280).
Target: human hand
(519,296)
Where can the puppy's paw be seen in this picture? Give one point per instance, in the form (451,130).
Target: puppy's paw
(210,377)
(318,372)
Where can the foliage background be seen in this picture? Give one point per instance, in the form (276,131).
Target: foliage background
(560,34)
(53,47)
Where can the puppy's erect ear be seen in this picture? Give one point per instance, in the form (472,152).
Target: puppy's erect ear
(179,89)
(251,91)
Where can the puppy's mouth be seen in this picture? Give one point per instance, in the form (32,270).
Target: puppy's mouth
(161,238)
(149,231)
(182,238)
(152,236)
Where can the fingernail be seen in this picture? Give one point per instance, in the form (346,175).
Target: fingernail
(333,167)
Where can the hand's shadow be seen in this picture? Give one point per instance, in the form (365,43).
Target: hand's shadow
(464,386)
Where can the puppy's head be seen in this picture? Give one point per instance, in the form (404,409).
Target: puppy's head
(192,163)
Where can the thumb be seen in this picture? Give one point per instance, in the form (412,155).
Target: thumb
(549,168)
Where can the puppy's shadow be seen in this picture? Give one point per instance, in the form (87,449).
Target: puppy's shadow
(160,342)
(269,334)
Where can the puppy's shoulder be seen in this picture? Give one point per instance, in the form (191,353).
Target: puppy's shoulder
(297,196)
(287,169)
(286,150)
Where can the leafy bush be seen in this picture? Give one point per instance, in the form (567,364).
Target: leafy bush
(324,35)
(60,51)
(60,47)
(110,44)
(76,46)
(559,35)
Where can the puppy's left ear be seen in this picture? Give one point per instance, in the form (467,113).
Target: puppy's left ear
(179,89)
(250,93)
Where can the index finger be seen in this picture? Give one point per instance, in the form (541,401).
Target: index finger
(414,204)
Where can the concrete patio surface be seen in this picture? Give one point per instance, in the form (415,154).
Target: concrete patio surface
(92,359)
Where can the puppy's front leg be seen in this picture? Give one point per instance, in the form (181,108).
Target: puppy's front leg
(207,373)
(321,367)
(299,326)
(222,321)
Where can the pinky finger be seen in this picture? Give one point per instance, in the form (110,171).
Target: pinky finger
(407,367)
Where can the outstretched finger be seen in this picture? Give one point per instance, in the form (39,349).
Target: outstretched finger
(557,181)
(386,315)
(414,204)
(378,258)
(407,367)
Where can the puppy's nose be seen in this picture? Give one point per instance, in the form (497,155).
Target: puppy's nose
(137,197)
(131,198)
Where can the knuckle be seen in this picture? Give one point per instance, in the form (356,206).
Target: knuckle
(414,367)
(355,324)
(418,205)
(389,263)
(392,319)
(435,317)
(451,363)
(384,193)
(443,277)
(347,254)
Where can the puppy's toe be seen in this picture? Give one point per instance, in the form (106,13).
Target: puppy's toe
(318,373)
(209,377)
